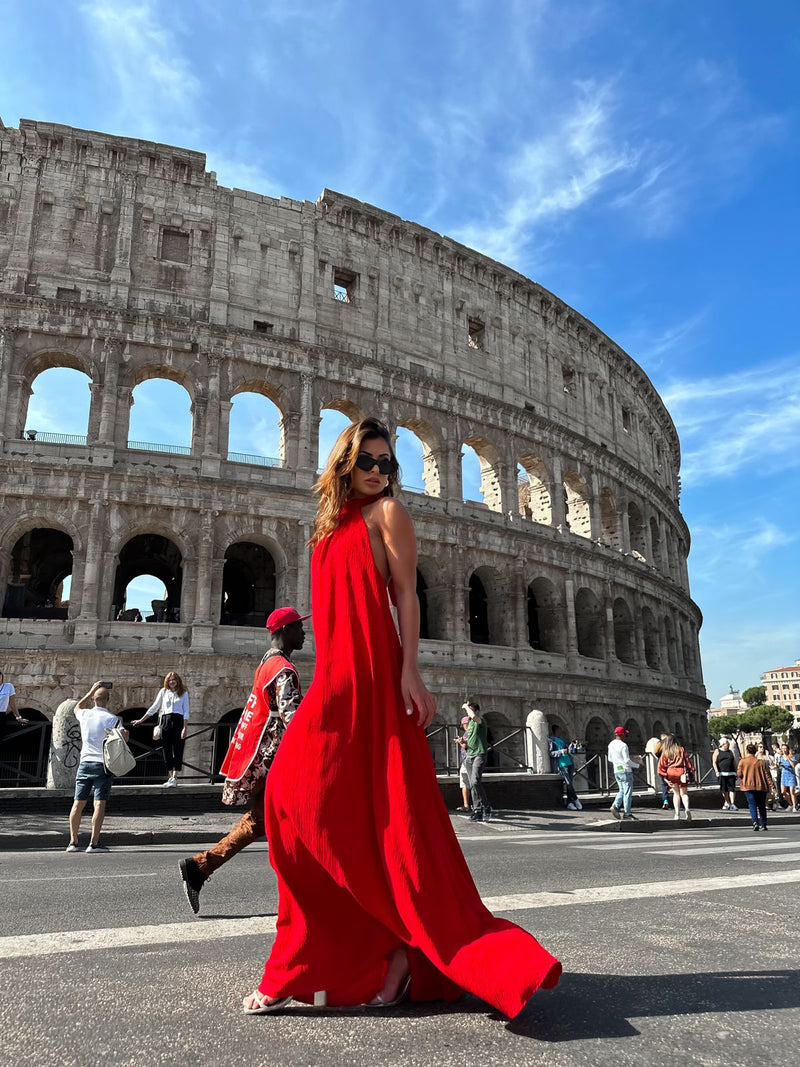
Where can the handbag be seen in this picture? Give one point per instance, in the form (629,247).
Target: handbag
(117,757)
(157,731)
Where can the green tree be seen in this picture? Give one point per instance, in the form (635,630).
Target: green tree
(752,721)
(755,695)
(722,725)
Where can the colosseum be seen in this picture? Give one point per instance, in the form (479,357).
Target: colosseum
(563,589)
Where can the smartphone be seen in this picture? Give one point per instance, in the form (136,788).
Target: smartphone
(106,685)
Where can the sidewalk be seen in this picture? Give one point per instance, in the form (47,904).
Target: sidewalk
(48,830)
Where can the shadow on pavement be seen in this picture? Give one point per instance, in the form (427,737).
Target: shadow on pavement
(587,1006)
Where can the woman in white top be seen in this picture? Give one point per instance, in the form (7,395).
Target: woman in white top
(172,705)
(8,700)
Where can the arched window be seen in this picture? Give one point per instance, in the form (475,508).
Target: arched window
(161,417)
(597,738)
(488,484)
(672,650)
(331,424)
(24,751)
(588,624)
(248,585)
(534,491)
(579,519)
(655,538)
(157,556)
(254,433)
(624,640)
(545,617)
(222,736)
(41,562)
(635,739)
(416,448)
(141,593)
(610,530)
(478,612)
(58,409)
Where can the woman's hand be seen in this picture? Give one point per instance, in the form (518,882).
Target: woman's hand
(183,733)
(416,695)
(137,722)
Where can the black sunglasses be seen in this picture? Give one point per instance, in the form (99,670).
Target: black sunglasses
(366,463)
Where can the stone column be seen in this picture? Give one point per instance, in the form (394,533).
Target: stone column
(521,605)
(608,634)
(65,747)
(460,601)
(557,496)
(18,265)
(202,622)
(537,751)
(290,439)
(199,412)
(624,530)
(8,338)
(211,437)
(308,429)
(94,543)
(93,427)
(638,622)
(220,295)
(572,629)
(19,392)
(112,350)
(121,271)
(594,508)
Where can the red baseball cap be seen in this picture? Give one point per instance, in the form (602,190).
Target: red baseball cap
(620,730)
(281,617)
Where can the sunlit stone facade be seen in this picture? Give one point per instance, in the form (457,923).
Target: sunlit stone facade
(564,588)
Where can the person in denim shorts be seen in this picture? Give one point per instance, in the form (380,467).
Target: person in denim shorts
(92,775)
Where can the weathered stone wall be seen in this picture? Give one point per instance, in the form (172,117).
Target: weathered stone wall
(124,259)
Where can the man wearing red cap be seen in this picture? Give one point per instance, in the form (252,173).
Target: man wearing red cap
(620,759)
(273,701)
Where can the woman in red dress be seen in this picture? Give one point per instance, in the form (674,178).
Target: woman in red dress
(376,901)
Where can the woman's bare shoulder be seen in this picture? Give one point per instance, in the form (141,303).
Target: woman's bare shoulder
(387,511)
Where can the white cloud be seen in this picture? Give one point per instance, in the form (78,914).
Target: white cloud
(555,174)
(732,422)
(153,77)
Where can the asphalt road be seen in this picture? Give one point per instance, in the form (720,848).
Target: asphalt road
(678,948)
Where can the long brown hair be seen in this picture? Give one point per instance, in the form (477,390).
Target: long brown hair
(333,485)
(671,749)
(180,688)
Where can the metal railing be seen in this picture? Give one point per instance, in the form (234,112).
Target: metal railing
(55,438)
(256,461)
(150,446)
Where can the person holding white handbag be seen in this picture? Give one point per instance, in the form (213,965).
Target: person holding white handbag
(172,705)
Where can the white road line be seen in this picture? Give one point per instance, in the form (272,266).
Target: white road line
(646,842)
(719,849)
(57,943)
(787,858)
(83,877)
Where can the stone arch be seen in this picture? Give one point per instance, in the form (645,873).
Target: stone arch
(53,359)
(431,444)
(266,392)
(145,372)
(535,501)
(658,728)
(248,584)
(485,605)
(156,554)
(71,422)
(635,739)
(652,644)
(597,734)
(223,732)
(624,633)
(636,532)
(511,753)
(135,438)
(589,624)
(433,616)
(578,512)
(25,752)
(344,407)
(610,532)
(545,616)
(40,560)
(489,462)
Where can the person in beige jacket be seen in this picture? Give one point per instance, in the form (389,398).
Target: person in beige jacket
(756,783)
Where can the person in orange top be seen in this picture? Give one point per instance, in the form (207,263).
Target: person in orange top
(675,765)
(756,783)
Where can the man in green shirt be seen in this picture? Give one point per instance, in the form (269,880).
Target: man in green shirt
(476,749)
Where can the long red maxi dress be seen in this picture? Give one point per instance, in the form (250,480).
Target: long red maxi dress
(359,836)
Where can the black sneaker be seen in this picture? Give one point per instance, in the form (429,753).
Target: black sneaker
(487,814)
(193,881)
(629,817)
(476,816)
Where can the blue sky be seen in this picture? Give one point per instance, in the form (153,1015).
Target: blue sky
(639,158)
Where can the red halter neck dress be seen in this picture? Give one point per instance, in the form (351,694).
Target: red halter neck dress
(359,836)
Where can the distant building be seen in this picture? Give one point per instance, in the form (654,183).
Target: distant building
(783,688)
(730,704)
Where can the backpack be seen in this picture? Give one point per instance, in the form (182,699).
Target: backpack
(117,757)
